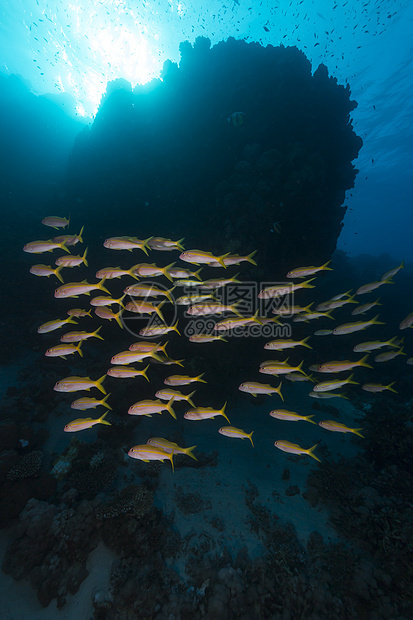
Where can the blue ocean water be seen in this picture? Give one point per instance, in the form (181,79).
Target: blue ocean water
(265,147)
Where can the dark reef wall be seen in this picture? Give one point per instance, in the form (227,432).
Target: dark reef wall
(167,157)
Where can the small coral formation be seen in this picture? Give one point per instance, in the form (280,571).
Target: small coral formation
(132,501)
(27,467)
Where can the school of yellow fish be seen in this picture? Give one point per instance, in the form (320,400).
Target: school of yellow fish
(202,303)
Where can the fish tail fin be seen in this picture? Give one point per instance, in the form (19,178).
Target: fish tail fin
(222,339)
(234,278)
(163,347)
(64,247)
(118,318)
(179,362)
(256,319)
(310,452)
(145,245)
(304,343)
(169,407)
(132,273)
(375,321)
(250,258)
(179,244)
(68,220)
(394,342)
(89,313)
(120,301)
(155,356)
(96,332)
(78,348)
(72,320)
(278,390)
(220,259)
(188,452)
(84,258)
(309,418)
(99,385)
(189,399)
(350,380)
(249,435)
(307,284)
(175,328)
(101,286)
(159,313)
(363,362)
(165,271)
(389,280)
(352,300)
(300,368)
(79,236)
(329,315)
(103,402)
(196,273)
(168,294)
(199,378)
(171,458)
(225,415)
(102,419)
(143,372)
(390,387)
(356,431)
(326,267)
(57,273)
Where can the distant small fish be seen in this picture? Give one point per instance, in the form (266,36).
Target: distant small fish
(78,312)
(159,330)
(372,345)
(84,423)
(166,394)
(366,307)
(331,425)
(201,338)
(389,355)
(112,273)
(280,345)
(165,245)
(70,239)
(50,326)
(303,272)
(74,289)
(148,407)
(185,274)
(61,350)
(392,272)
(231,431)
(350,328)
(77,336)
(199,257)
(150,270)
(127,243)
(146,453)
(407,322)
(236,119)
(322,395)
(101,301)
(323,332)
(367,288)
(278,290)
(38,247)
(148,290)
(327,386)
(183,379)
(56,222)
(103,312)
(378,387)
(294,448)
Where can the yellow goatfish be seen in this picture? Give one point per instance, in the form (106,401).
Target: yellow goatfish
(378,387)
(237,322)
(199,257)
(235,259)
(331,425)
(127,372)
(69,239)
(201,338)
(356,326)
(90,403)
(148,290)
(375,344)
(148,407)
(148,346)
(76,384)
(367,288)
(279,290)
(219,282)
(50,326)
(145,307)
(159,330)
(150,270)
(103,312)
(280,368)
(165,245)
(146,453)
(110,273)
(389,355)
(326,386)
(166,394)
(294,448)
(55,221)
(290,416)
(366,307)
(254,388)
(61,350)
(74,289)
(205,413)
(392,272)
(303,272)
(101,301)
(38,247)
(78,312)
(77,336)
(279,345)
(407,322)
(82,423)
(171,447)
(127,243)
(341,366)
(231,431)
(46,270)
(129,357)
(183,379)
(72,261)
